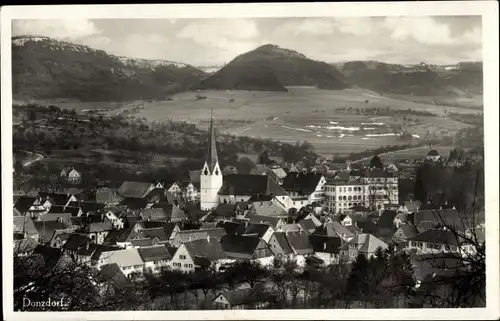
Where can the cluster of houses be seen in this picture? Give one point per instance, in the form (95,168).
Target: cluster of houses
(212,220)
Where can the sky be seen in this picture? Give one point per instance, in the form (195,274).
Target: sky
(207,42)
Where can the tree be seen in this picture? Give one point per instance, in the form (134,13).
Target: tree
(245,165)
(376,162)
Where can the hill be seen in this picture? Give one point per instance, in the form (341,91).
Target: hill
(464,79)
(270,67)
(44,68)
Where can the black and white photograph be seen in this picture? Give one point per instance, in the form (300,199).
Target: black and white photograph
(254,162)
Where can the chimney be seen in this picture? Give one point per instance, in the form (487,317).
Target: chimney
(208,238)
(190,239)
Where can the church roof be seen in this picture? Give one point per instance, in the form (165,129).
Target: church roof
(251,185)
(212,148)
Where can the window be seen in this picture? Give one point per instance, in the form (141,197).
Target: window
(186,265)
(349,197)
(182,257)
(349,189)
(190,265)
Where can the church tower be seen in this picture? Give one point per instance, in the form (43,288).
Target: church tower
(211,174)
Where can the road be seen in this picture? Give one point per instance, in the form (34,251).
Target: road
(36,159)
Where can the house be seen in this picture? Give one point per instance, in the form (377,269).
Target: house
(246,247)
(335,229)
(59,239)
(224,211)
(439,217)
(241,299)
(198,254)
(274,222)
(435,241)
(88,207)
(46,229)
(326,248)
(157,214)
(386,224)
(270,208)
(157,233)
(52,258)
(304,189)
(366,244)
(121,238)
(301,246)
(280,247)
(129,189)
(314,218)
(80,247)
(403,233)
(175,189)
(71,175)
(169,229)
(292,227)
(61,199)
(241,187)
(129,261)
(262,231)
(61,217)
(308,226)
(427,265)
(110,280)
(24,225)
(410,207)
(197,234)
(113,216)
(155,258)
(97,231)
(108,196)
(433,155)
(30,205)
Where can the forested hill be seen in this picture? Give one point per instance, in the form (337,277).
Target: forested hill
(44,68)
(61,134)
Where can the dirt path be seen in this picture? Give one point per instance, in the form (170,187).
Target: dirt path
(36,159)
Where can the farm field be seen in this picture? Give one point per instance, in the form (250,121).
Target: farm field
(412,153)
(303,113)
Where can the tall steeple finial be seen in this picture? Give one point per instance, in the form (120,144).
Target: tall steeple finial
(212,147)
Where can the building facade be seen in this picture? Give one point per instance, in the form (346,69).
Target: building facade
(211,175)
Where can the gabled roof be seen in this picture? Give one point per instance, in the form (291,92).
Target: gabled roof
(245,184)
(46,229)
(73,210)
(283,242)
(242,296)
(24,203)
(239,244)
(300,243)
(79,243)
(151,233)
(107,195)
(134,203)
(304,184)
(428,264)
(290,227)
(256,219)
(212,250)
(55,216)
(368,242)
(168,228)
(51,256)
(232,228)
(308,225)
(111,273)
(268,209)
(438,236)
(154,253)
(447,217)
(88,207)
(339,229)
(57,209)
(413,206)
(171,250)
(325,244)
(368,227)
(409,230)
(131,189)
(192,235)
(114,236)
(386,220)
(101,249)
(260,198)
(124,258)
(55,198)
(98,227)
(25,223)
(156,214)
(140,242)
(257,229)
(225,210)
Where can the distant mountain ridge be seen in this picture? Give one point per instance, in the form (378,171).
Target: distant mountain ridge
(462,79)
(45,68)
(270,67)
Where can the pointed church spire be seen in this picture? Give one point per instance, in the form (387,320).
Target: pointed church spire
(212,147)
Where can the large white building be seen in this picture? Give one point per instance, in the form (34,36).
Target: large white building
(375,188)
(211,175)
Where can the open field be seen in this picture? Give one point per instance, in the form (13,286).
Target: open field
(303,113)
(413,153)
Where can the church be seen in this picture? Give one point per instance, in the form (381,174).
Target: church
(216,188)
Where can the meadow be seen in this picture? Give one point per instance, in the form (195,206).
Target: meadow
(302,113)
